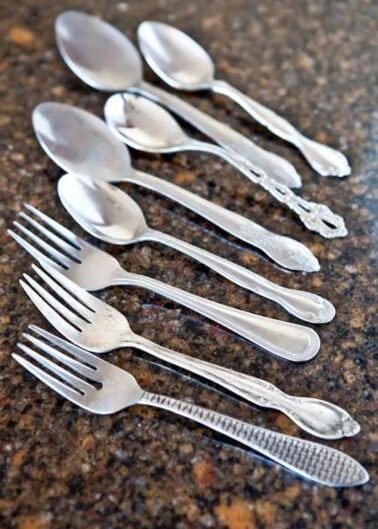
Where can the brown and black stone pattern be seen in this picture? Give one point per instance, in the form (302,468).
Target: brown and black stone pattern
(60,467)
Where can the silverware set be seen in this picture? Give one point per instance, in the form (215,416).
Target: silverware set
(94,156)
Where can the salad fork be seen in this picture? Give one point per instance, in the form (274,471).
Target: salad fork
(92,324)
(119,390)
(80,261)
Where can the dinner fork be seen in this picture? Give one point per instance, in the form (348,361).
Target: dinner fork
(81,261)
(92,324)
(119,390)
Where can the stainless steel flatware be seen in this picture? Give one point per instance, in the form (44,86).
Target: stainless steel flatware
(81,142)
(144,125)
(105,59)
(76,259)
(182,63)
(315,416)
(79,374)
(112,216)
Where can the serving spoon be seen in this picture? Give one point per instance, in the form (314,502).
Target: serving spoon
(182,63)
(147,126)
(105,59)
(80,142)
(111,215)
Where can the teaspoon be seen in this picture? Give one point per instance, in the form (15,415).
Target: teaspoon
(183,64)
(145,125)
(110,215)
(131,224)
(105,59)
(80,142)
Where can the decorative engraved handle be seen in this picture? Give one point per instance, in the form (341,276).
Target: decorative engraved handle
(276,167)
(304,305)
(308,459)
(287,340)
(285,251)
(325,160)
(316,217)
(315,416)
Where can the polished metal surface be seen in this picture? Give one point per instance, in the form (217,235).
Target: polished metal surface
(80,261)
(121,221)
(105,59)
(146,126)
(183,64)
(80,142)
(78,375)
(315,416)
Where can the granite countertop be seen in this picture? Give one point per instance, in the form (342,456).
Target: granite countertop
(63,468)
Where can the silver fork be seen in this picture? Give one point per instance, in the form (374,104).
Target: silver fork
(92,268)
(92,324)
(120,390)
(81,262)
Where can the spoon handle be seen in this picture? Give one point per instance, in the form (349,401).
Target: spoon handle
(325,160)
(317,417)
(287,340)
(315,461)
(316,217)
(276,166)
(304,305)
(285,251)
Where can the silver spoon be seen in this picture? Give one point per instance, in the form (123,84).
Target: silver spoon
(80,142)
(182,63)
(305,305)
(111,215)
(104,58)
(144,125)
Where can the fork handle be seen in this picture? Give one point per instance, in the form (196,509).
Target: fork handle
(285,251)
(325,160)
(315,416)
(287,340)
(304,305)
(317,462)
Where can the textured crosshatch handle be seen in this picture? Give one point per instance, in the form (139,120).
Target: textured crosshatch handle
(325,160)
(317,462)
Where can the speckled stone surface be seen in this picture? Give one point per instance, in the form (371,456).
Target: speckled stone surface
(63,468)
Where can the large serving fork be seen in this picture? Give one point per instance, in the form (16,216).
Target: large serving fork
(119,390)
(77,257)
(92,324)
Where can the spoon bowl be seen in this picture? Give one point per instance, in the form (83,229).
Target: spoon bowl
(97,52)
(79,142)
(189,68)
(143,124)
(105,211)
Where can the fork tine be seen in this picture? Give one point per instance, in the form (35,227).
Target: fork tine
(73,302)
(39,256)
(55,384)
(59,242)
(59,257)
(67,314)
(88,372)
(90,301)
(78,383)
(56,320)
(89,358)
(56,226)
